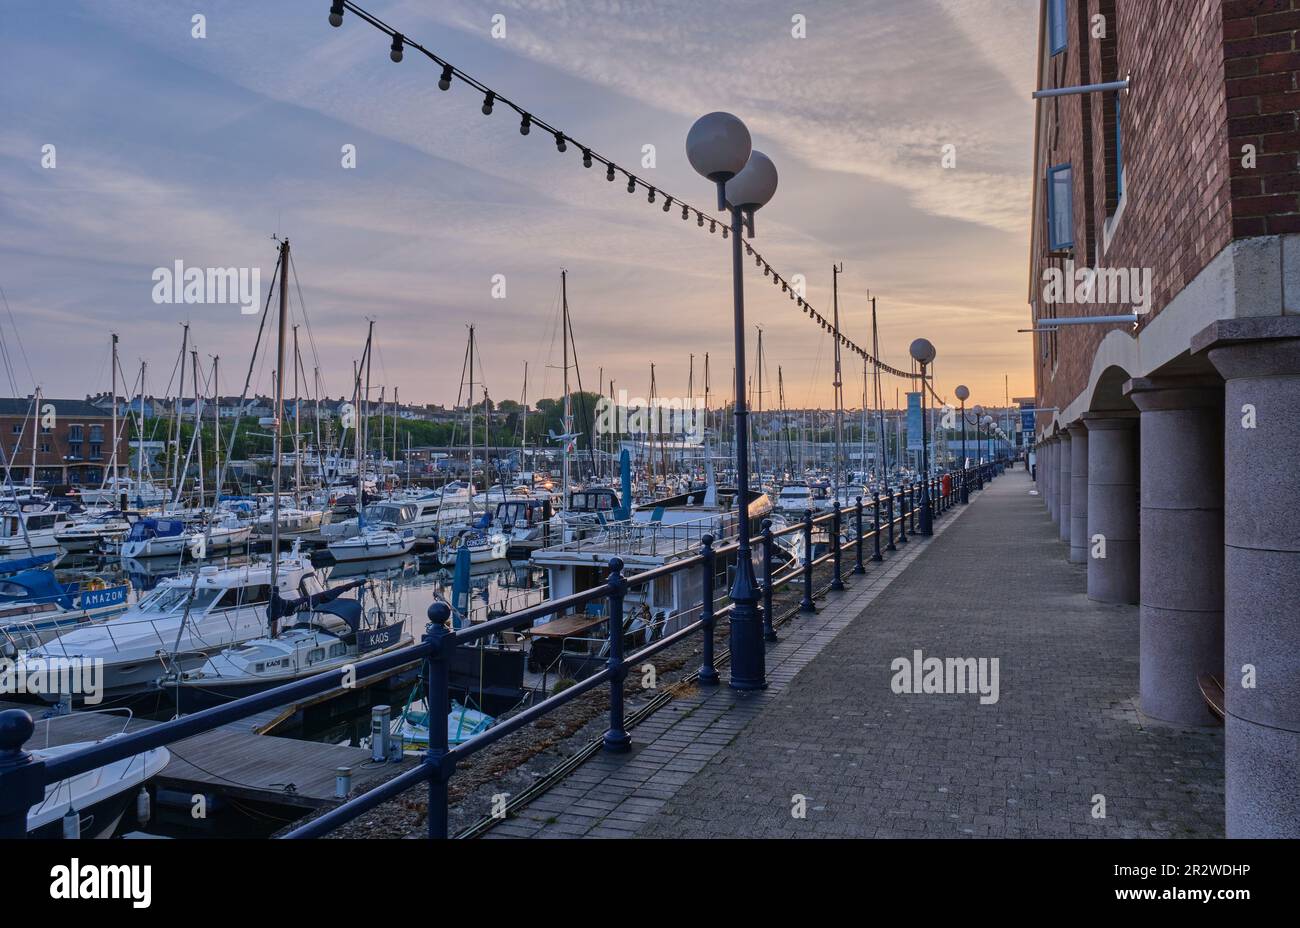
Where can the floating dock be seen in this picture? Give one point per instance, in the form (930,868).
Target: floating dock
(233,760)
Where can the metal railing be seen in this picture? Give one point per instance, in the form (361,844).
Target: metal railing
(24,778)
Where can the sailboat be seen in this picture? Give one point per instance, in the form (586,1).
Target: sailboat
(326,632)
(377,540)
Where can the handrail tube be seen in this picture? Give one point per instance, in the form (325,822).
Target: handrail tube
(164,733)
(359,805)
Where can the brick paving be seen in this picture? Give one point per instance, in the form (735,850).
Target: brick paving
(992,582)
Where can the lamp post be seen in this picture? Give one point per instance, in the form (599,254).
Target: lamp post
(963,394)
(987,423)
(923,353)
(719,147)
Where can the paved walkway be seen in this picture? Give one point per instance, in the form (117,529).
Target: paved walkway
(830,735)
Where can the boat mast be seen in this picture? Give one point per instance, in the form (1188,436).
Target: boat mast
(758,417)
(180,392)
(297,425)
(112,461)
(216,429)
(356,441)
(365,399)
(523,428)
(836,270)
(198,424)
(279,427)
(568,408)
(141,461)
(469,407)
(880,406)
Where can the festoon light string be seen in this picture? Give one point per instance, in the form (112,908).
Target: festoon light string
(529,120)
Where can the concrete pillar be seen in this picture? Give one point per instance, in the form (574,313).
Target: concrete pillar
(1063,488)
(1181,543)
(1112,507)
(1259,359)
(1051,473)
(1079,493)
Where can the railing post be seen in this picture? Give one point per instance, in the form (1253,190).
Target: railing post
(441,641)
(616,739)
(965,484)
(837,549)
(22,780)
(913,501)
(769,549)
(807,604)
(708,673)
(858,568)
(902,514)
(875,522)
(889,512)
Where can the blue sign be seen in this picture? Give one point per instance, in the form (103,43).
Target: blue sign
(914,427)
(373,639)
(96,599)
(1027,417)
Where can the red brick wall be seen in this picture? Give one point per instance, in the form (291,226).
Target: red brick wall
(1209,76)
(1261,61)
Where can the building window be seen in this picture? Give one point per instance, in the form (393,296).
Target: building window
(96,451)
(74,432)
(1060,208)
(17,428)
(96,433)
(1056,26)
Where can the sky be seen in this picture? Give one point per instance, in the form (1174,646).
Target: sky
(169,146)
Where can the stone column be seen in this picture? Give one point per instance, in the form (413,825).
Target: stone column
(1181,543)
(1063,489)
(1051,474)
(1259,359)
(1079,493)
(1112,507)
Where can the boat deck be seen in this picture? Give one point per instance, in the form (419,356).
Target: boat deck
(232,760)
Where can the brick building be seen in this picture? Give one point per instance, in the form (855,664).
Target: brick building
(75,448)
(1168,449)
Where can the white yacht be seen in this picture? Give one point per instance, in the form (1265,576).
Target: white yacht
(172,537)
(483,547)
(32,528)
(141,494)
(96,532)
(658,533)
(293,521)
(181,622)
(328,637)
(373,542)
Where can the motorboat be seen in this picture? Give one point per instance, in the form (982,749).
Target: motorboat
(99,797)
(173,537)
(181,622)
(322,633)
(33,527)
(96,533)
(141,494)
(373,542)
(35,606)
(483,546)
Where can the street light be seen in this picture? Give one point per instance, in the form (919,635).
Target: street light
(963,394)
(719,147)
(923,353)
(987,422)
